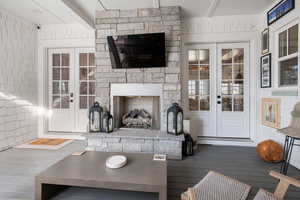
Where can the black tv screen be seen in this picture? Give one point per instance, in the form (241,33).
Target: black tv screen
(137,51)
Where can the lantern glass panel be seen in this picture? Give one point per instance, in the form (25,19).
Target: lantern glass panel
(95,124)
(110,124)
(104,123)
(179,122)
(171,122)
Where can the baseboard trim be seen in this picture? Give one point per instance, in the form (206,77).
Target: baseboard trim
(226,141)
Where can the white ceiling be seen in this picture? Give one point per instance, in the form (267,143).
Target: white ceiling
(58,12)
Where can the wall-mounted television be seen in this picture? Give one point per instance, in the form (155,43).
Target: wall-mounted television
(137,51)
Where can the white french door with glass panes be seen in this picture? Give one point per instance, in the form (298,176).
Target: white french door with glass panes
(233,90)
(85,89)
(201,88)
(71,88)
(218,89)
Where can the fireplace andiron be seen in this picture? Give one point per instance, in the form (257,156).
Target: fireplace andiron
(175,119)
(95,117)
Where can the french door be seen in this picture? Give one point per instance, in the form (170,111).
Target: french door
(233,90)
(71,86)
(218,89)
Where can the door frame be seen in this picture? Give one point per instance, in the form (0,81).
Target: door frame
(252,45)
(74,85)
(42,61)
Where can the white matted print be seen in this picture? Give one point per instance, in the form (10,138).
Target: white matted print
(270,112)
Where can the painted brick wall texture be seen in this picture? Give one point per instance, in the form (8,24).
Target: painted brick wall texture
(138,21)
(18,81)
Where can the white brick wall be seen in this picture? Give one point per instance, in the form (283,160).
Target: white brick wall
(18,80)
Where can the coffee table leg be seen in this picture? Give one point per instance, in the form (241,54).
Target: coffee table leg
(163,194)
(38,190)
(47,191)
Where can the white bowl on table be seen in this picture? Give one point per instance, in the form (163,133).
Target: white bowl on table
(116,161)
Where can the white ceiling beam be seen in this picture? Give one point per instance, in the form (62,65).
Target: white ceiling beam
(45,9)
(156,3)
(212,8)
(79,15)
(102,5)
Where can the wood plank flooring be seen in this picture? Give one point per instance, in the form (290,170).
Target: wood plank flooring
(19,166)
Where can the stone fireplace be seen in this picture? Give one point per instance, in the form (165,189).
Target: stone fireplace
(138,21)
(151,89)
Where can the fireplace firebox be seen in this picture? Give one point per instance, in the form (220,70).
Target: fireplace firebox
(136,105)
(137,112)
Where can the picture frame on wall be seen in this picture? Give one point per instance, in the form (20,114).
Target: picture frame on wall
(266,71)
(265,41)
(270,112)
(279,10)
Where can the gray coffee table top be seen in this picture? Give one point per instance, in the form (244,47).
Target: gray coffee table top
(140,174)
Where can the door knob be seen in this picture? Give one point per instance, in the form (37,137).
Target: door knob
(71,100)
(218,102)
(219,96)
(71,94)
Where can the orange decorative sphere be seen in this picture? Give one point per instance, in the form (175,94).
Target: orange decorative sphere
(270,151)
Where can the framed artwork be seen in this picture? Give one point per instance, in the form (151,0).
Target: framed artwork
(265,71)
(279,10)
(265,41)
(270,112)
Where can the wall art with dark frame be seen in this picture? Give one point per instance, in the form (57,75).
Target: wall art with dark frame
(279,10)
(265,71)
(265,41)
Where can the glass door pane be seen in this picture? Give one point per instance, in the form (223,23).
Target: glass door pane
(232,79)
(87,80)
(60,80)
(199,79)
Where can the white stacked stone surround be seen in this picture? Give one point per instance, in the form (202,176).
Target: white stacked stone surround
(18,80)
(138,21)
(167,79)
(138,141)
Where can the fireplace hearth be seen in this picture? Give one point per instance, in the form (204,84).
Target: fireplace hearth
(137,118)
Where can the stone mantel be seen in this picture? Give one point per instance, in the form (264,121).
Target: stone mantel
(136,89)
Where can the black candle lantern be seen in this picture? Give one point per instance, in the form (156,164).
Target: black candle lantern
(95,117)
(188,145)
(107,122)
(175,119)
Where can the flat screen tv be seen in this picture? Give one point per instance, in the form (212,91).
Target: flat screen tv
(137,51)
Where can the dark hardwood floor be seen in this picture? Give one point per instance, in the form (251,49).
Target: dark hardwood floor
(19,166)
(241,163)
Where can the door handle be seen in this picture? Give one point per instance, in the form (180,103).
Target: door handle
(71,94)
(218,102)
(219,96)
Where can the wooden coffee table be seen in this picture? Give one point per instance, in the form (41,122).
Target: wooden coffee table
(141,174)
